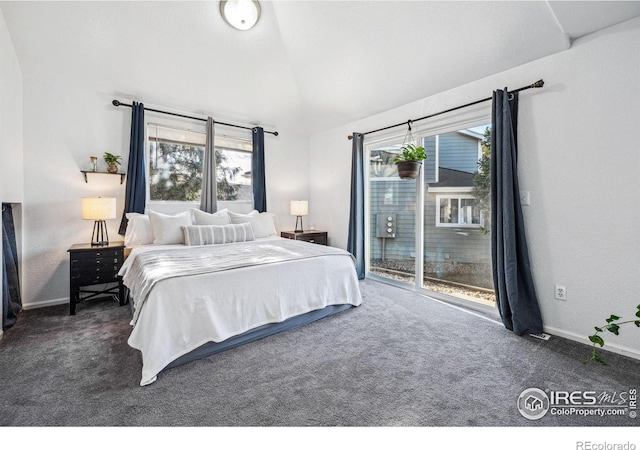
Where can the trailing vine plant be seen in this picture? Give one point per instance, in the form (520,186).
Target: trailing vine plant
(613,326)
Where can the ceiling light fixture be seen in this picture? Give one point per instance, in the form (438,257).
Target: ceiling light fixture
(240,14)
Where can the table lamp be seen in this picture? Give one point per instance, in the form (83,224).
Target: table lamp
(299,208)
(99,209)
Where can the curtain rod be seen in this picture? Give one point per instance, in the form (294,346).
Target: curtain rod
(537,84)
(119,103)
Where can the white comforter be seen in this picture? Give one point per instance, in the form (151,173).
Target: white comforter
(181,313)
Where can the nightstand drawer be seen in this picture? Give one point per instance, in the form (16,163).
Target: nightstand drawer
(317,238)
(99,254)
(90,264)
(314,237)
(92,269)
(94,278)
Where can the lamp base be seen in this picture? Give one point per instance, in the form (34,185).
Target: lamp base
(299,230)
(100,236)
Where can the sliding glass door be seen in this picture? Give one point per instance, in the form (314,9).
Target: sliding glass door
(392,216)
(457,236)
(433,232)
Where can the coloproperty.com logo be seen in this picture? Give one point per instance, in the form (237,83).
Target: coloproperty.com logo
(534,403)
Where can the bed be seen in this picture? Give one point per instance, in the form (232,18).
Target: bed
(192,301)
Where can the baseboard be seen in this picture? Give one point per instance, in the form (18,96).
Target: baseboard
(52,302)
(609,346)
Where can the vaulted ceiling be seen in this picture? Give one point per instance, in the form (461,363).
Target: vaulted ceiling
(312,65)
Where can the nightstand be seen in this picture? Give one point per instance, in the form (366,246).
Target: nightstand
(90,265)
(314,236)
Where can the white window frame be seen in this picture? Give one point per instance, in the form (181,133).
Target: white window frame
(457,224)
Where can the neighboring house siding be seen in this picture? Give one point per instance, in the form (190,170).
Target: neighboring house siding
(403,194)
(456,245)
(429,145)
(461,152)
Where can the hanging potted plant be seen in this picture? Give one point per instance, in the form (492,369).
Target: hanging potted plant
(112,162)
(410,161)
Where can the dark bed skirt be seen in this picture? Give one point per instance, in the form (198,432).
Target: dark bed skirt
(212,348)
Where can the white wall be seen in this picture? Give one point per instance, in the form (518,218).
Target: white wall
(66,123)
(579,158)
(11,174)
(10,119)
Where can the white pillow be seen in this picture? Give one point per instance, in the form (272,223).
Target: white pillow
(205,218)
(218,234)
(263,224)
(168,229)
(139,230)
(242,215)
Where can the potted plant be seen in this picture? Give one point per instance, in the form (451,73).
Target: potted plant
(112,161)
(410,161)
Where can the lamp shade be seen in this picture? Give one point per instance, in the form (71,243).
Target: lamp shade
(299,208)
(98,208)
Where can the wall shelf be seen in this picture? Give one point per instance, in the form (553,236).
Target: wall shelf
(85,172)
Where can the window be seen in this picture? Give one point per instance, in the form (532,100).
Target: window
(175,165)
(233,167)
(463,211)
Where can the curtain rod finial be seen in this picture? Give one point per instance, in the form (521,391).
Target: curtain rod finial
(538,84)
(116,103)
(350,137)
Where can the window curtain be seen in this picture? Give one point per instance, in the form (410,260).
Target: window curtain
(209,197)
(355,242)
(513,282)
(136,191)
(11,301)
(258,171)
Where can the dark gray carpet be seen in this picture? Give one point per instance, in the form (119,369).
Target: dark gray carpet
(397,360)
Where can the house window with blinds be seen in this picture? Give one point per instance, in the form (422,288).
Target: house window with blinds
(458,212)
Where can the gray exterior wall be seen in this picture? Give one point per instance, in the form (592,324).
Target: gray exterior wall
(403,197)
(455,245)
(459,151)
(429,164)
(452,244)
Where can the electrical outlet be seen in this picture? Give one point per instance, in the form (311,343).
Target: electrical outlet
(561,292)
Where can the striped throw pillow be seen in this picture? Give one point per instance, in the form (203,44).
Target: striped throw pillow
(218,234)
